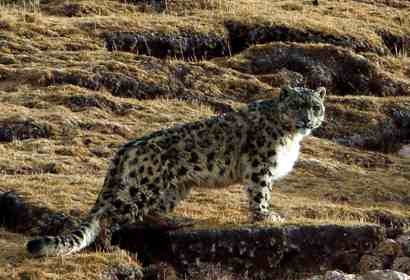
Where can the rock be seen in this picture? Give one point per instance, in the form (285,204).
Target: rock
(81,102)
(386,218)
(283,77)
(402,264)
(72,9)
(338,275)
(397,43)
(383,257)
(52,167)
(370,262)
(263,252)
(5,25)
(388,247)
(30,275)
(212,271)
(316,277)
(371,275)
(124,272)
(402,118)
(161,271)
(7,59)
(75,9)
(101,151)
(385,275)
(335,275)
(12,129)
(404,151)
(404,241)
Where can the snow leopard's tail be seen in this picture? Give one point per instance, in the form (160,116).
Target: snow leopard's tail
(66,244)
(79,238)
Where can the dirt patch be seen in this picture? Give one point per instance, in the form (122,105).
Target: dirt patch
(242,35)
(341,71)
(184,45)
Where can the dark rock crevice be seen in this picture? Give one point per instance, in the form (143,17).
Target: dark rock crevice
(242,36)
(186,45)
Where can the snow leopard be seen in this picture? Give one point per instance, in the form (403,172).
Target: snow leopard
(254,146)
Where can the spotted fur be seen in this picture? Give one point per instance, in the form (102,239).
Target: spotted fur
(254,146)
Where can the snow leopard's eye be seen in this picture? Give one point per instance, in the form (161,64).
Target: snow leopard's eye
(316,108)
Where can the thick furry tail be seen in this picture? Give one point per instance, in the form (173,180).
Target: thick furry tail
(66,244)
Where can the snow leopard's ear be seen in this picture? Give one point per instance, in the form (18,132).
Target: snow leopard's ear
(321,92)
(285,92)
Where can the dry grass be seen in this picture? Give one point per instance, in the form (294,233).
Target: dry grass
(332,183)
(16,264)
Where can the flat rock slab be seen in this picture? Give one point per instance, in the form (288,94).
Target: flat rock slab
(259,251)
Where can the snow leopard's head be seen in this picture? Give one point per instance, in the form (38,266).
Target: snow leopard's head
(305,107)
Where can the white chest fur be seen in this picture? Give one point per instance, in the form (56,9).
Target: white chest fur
(286,156)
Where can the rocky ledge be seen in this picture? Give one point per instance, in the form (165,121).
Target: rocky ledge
(260,251)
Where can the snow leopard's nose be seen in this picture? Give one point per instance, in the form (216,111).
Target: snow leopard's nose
(308,124)
(306,120)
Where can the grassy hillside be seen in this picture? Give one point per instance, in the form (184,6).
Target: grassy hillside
(78,78)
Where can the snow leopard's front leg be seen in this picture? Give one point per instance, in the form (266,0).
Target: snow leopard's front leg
(259,188)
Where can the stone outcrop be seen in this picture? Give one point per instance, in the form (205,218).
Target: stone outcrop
(259,251)
(371,275)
